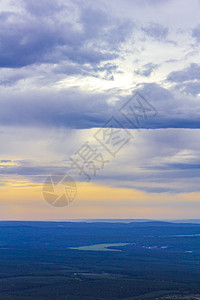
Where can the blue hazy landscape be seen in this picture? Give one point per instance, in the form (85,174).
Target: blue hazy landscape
(144,260)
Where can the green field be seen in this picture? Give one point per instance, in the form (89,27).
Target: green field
(100,247)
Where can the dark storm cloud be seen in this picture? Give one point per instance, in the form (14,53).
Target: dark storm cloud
(43,7)
(181,166)
(196,33)
(146,69)
(187,80)
(192,88)
(174,111)
(82,41)
(156,31)
(44,33)
(25,40)
(74,108)
(105,71)
(190,73)
(30,168)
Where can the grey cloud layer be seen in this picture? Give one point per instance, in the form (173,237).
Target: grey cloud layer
(146,69)
(156,31)
(190,73)
(187,80)
(154,161)
(74,108)
(81,40)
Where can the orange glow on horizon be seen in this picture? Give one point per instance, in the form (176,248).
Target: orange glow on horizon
(22,199)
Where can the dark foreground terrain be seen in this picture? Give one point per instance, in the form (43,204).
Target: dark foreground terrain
(60,260)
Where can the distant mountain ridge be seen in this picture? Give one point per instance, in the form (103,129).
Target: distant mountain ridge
(102,223)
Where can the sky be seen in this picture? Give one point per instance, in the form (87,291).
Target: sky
(107,92)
